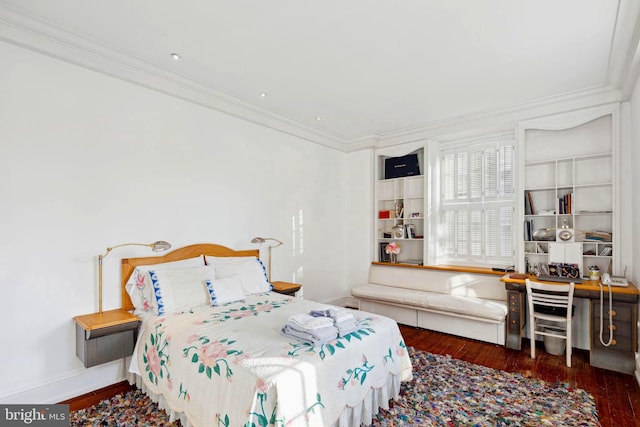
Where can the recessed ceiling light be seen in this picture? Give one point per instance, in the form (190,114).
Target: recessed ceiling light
(263,94)
(318,118)
(176,56)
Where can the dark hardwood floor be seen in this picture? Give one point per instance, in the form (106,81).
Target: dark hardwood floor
(617,395)
(94,397)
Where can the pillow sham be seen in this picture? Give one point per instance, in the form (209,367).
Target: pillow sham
(226,266)
(250,269)
(181,289)
(223,291)
(139,286)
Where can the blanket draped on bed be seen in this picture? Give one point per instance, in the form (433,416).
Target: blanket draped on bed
(230,366)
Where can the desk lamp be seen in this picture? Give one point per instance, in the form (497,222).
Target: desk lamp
(260,241)
(158,246)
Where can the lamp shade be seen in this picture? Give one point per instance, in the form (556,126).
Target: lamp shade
(261,240)
(160,246)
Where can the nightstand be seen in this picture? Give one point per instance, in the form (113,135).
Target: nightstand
(103,337)
(286,288)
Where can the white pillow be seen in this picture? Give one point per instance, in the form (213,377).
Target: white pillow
(181,289)
(227,266)
(139,286)
(250,269)
(222,291)
(254,277)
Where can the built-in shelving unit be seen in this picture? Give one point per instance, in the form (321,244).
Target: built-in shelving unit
(569,182)
(400,212)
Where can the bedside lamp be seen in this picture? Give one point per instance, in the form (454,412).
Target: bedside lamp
(158,246)
(260,241)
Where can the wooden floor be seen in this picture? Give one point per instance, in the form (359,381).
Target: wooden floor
(617,395)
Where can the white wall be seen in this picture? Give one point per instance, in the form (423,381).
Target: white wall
(89,161)
(359,216)
(634,192)
(633,160)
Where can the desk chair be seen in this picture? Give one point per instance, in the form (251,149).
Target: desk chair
(550,312)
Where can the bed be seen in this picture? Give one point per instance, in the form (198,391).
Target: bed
(211,352)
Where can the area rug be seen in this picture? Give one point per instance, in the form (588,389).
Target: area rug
(444,392)
(451,392)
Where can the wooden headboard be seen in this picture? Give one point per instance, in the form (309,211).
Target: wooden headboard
(191,251)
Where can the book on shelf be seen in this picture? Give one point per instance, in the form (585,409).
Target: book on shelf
(528,204)
(528,230)
(565,204)
(603,236)
(591,212)
(606,251)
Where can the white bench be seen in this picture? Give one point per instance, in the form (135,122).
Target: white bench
(471,305)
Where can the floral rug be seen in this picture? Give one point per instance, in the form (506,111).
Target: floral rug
(444,392)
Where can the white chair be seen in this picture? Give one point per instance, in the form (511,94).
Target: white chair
(543,299)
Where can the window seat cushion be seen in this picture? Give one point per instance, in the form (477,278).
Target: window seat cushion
(465,305)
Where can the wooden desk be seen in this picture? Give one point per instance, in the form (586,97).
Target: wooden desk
(620,355)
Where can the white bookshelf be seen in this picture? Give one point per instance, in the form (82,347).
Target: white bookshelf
(569,175)
(400,203)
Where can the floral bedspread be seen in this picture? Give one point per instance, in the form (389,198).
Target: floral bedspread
(230,366)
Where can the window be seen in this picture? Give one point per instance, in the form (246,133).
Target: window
(476,204)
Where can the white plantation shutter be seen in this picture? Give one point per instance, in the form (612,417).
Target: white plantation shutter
(462,175)
(491,237)
(477,204)
(448,242)
(506,232)
(475,175)
(505,169)
(475,233)
(448,177)
(491,175)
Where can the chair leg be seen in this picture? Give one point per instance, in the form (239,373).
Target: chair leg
(532,333)
(569,347)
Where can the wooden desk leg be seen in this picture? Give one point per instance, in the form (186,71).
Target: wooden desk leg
(514,320)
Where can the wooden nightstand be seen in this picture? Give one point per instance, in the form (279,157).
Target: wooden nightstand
(286,288)
(103,337)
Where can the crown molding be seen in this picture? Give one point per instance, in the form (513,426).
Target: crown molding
(32,33)
(624,60)
(21,29)
(500,120)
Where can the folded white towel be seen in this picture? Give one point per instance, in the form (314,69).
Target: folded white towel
(309,322)
(346,327)
(316,337)
(341,315)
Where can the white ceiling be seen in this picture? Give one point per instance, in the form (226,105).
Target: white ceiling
(369,69)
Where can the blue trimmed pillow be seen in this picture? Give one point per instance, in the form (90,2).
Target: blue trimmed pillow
(223,291)
(140,288)
(250,269)
(176,290)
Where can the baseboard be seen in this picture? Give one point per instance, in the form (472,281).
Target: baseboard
(96,396)
(75,384)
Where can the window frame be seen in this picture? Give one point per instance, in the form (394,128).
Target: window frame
(475,202)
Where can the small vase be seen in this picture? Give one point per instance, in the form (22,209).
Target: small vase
(393,258)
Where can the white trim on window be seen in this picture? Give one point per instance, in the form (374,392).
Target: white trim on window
(477,203)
